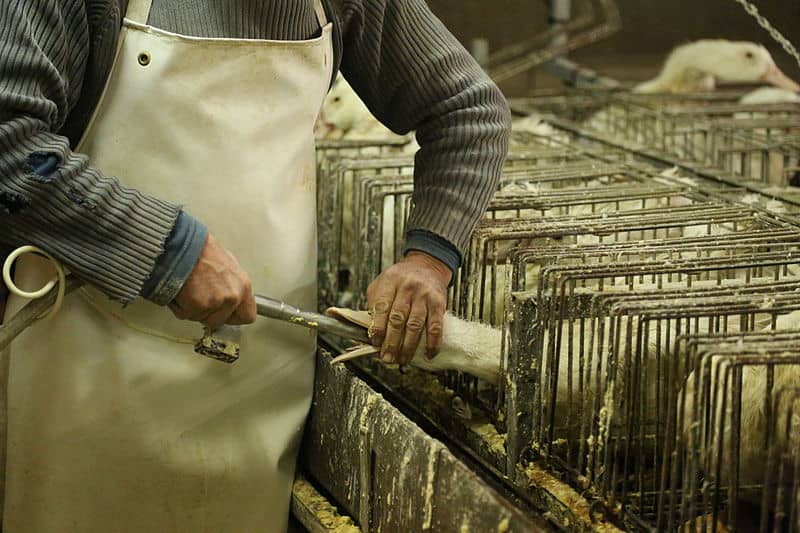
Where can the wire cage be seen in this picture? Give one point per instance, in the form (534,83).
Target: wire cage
(601,271)
(755,142)
(729,438)
(334,205)
(597,396)
(355,176)
(781,498)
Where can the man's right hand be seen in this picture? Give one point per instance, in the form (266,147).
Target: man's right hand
(217,291)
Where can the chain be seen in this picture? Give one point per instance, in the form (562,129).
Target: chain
(774,33)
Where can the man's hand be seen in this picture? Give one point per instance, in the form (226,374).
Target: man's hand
(217,291)
(407,299)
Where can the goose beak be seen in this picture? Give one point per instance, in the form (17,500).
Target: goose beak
(775,77)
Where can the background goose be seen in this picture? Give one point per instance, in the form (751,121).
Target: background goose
(698,66)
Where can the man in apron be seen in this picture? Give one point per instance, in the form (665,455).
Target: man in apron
(114,423)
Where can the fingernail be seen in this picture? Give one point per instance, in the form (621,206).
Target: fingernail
(387,358)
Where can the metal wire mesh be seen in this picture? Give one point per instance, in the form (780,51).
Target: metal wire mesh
(606,272)
(732,432)
(756,142)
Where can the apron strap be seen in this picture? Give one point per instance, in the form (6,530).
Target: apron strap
(320,11)
(138,11)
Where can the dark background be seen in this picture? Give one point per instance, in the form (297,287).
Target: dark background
(650,28)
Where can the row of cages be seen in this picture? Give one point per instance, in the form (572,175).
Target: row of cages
(758,142)
(643,326)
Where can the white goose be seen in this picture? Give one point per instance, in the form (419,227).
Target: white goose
(698,66)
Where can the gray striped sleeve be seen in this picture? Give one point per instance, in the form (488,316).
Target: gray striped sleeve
(413,74)
(105,233)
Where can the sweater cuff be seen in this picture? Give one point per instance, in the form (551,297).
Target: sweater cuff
(436,246)
(181,252)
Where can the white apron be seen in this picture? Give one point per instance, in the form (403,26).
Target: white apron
(112,430)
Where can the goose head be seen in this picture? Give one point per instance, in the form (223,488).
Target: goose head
(341,111)
(699,65)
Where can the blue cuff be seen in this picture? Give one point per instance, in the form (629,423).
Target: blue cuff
(434,245)
(181,252)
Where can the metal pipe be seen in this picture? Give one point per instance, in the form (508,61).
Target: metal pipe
(268,307)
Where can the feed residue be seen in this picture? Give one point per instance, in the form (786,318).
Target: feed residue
(578,506)
(325,513)
(494,440)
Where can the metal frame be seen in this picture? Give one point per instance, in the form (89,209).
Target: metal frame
(587,250)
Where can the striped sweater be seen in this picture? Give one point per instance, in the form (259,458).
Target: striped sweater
(55,56)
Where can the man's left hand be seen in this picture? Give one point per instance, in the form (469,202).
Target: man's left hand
(407,299)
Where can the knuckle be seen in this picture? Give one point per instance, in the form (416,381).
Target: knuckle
(382,306)
(213,301)
(415,324)
(435,328)
(412,283)
(197,301)
(397,318)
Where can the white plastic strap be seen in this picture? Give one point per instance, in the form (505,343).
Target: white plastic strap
(320,11)
(138,11)
(59,280)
